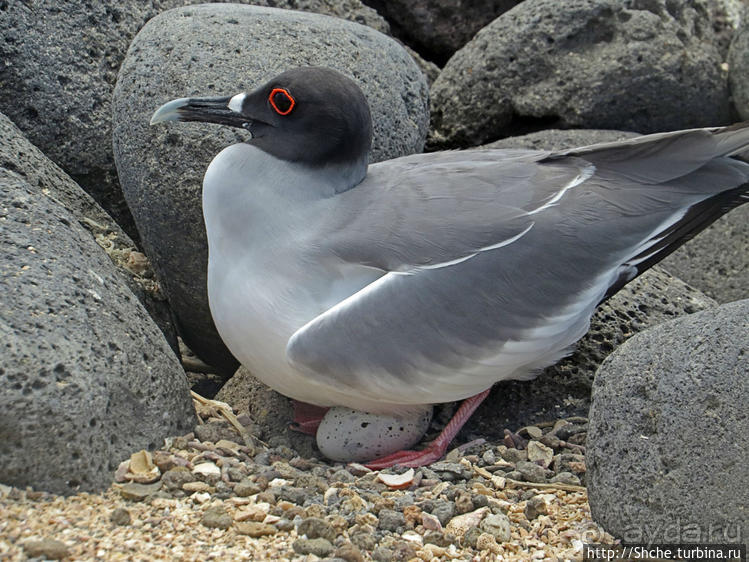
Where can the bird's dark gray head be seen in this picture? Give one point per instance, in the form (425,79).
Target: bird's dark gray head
(312,115)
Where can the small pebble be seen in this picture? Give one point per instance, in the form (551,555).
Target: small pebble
(485,541)
(319,547)
(120,516)
(216,517)
(391,520)
(49,549)
(497,525)
(531,471)
(566,431)
(138,492)
(566,478)
(532,431)
(215,431)
(255,529)
(207,469)
(413,536)
(471,536)
(348,552)
(540,453)
(255,512)
(430,522)
(382,554)
(489,457)
(315,527)
(550,440)
(196,487)
(461,523)
(568,462)
(175,478)
(342,475)
(284,525)
(443,510)
(537,505)
(246,488)
(200,497)
(463,502)
(515,455)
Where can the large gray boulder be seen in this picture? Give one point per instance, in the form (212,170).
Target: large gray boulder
(738,70)
(666,446)
(17,154)
(438,28)
(58,67)
(224,49)
(85,373)
(637,66)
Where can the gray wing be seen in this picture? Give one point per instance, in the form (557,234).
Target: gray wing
(497,259)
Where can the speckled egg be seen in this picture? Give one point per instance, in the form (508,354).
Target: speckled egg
(353,436)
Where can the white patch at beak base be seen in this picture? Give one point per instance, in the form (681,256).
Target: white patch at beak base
(235,103)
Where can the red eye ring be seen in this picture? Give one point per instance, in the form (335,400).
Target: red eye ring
(287,98)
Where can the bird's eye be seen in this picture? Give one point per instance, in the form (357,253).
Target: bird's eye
(281,101)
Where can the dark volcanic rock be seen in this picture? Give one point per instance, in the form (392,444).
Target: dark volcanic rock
(666,452)
(85,372)
(205,50)
(738,73)
(605,64)
(437,29)
(271,411)
(18,155)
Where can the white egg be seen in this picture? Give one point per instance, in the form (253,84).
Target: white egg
(353,436)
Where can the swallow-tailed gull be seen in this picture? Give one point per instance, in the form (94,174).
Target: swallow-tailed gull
(389,287)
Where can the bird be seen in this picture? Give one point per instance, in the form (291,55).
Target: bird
(427,278)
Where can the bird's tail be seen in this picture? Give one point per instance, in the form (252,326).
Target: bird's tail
(694,164)
(662,157)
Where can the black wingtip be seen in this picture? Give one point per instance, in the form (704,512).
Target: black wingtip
(697,218)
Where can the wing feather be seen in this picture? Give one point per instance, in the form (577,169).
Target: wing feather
(497,259)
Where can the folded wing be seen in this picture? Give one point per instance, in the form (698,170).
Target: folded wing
(495,260)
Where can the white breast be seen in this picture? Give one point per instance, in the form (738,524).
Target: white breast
(266,275)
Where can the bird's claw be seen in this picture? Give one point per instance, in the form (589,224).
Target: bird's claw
(409,459)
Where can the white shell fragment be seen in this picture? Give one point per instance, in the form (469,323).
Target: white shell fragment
(207,468)
(397,481)
(348,435)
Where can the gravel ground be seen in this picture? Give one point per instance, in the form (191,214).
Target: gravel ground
(218,493)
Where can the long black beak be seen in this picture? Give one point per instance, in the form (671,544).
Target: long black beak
(207,110)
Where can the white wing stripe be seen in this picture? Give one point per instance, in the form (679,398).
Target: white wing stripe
(506,242)
(469,256)
(585,174)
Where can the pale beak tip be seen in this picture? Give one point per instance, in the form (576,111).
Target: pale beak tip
(168,111)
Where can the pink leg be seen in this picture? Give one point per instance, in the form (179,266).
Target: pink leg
(307,417)
(436,449)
